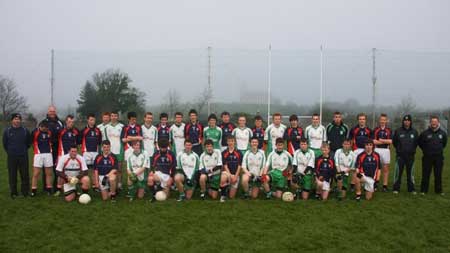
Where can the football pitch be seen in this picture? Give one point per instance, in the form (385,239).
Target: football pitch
(403,223)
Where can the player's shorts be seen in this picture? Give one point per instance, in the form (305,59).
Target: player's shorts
(385,155)
(358,151)
(235,185)
(369,183)
(317,152)
(344,179)
(189,184)
(214,182)
(89,157)
(325,185)
(104,185)
(278,181)
(254,181)
(43,160)
(163,178)
(69,189)
(306,182)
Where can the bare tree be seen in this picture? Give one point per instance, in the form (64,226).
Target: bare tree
(202,100)
(407,105)
(172,102)
(10,99)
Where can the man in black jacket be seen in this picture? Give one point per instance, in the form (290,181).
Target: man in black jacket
(337,133)
(405,141)
(16,141)
(432,141)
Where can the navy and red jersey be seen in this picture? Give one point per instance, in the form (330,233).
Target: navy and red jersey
(259,133)
(325,167)
(227,130)
(382,133)
(41,141)
(232,160)
(163,131)
(130,130)
(292,136)
(91,139)
(105,164)
(194,132)
(369,164)
(165,162)
(359,136)
(68,137)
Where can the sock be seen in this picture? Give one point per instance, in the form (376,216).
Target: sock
(85,190)
(132,191)
(34,190)
(182,194)
(223,191)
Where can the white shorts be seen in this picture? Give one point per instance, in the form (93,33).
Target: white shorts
(235,185)
(89,157)
(325,185)
(368,183)
(103,187)
(163,178)
(385,155)
(69,189)
(358,151)
(43,160)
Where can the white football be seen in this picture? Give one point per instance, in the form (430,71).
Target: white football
(160,196)
(84,199)
(288,197)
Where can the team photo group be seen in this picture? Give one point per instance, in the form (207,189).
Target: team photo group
(220,160)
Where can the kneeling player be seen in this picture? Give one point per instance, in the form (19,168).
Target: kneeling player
(303,163)
(252,166)
(137,163)
(163,166)
(232,160)
(368,165)
(344,159)
(72,169)
(325,171)
(105,172)
(277,169)
(211,167)
(187,169)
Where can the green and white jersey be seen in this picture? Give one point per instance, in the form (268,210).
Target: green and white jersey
(214,134)
(113,135)
(188,163)
(137,161)
(210,161)
(303,160)
(271,134)
(254,162)
(150,135)
(344,161)
(176,137)
(278,160)
(315,136)
(102,128)
(242,136)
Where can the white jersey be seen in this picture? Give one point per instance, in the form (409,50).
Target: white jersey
(137,161)
(242,136)
(113,135)
(176,136)
(344,162)
(71,167)
(102,128)
(188,163)
(272,133)
(210,161)
(315,136)
(254,162)
(276,161)
(150,137)
(303,160)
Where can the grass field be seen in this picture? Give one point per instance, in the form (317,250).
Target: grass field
(403,223)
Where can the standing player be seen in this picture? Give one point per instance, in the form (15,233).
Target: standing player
(258,131)
(149,134)
(163,165)
(368,165)
(277,169)
(210,170)
(106,119)
(105,172)
(130,133)
(194,132)
(273,132)
(337,133)
(252,166)
(137,163)
(227,128)
(163,127)
(72,170)
(42,146)
(188,164)
(316,134)
(405,141)
(344,159)
(382,138)
(293,134)
(213,132)
(359,135)
(303,163)
(91,139)
(176,134)
(113,132)
(232,160)
(242,134)
(325,171)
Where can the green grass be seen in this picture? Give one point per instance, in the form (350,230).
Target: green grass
(388,223)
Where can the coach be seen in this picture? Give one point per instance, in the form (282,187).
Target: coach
(432,141)
(16,141)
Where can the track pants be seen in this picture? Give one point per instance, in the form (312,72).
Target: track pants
(18,164)
(432,163)
(404,161)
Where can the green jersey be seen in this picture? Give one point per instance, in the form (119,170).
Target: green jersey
(214,134)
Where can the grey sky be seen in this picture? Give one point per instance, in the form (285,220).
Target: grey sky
(29,29)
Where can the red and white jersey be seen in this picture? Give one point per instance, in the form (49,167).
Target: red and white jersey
(71,167)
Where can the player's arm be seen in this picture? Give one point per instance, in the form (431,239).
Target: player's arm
(244,164)
(97,184)
(60,171)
